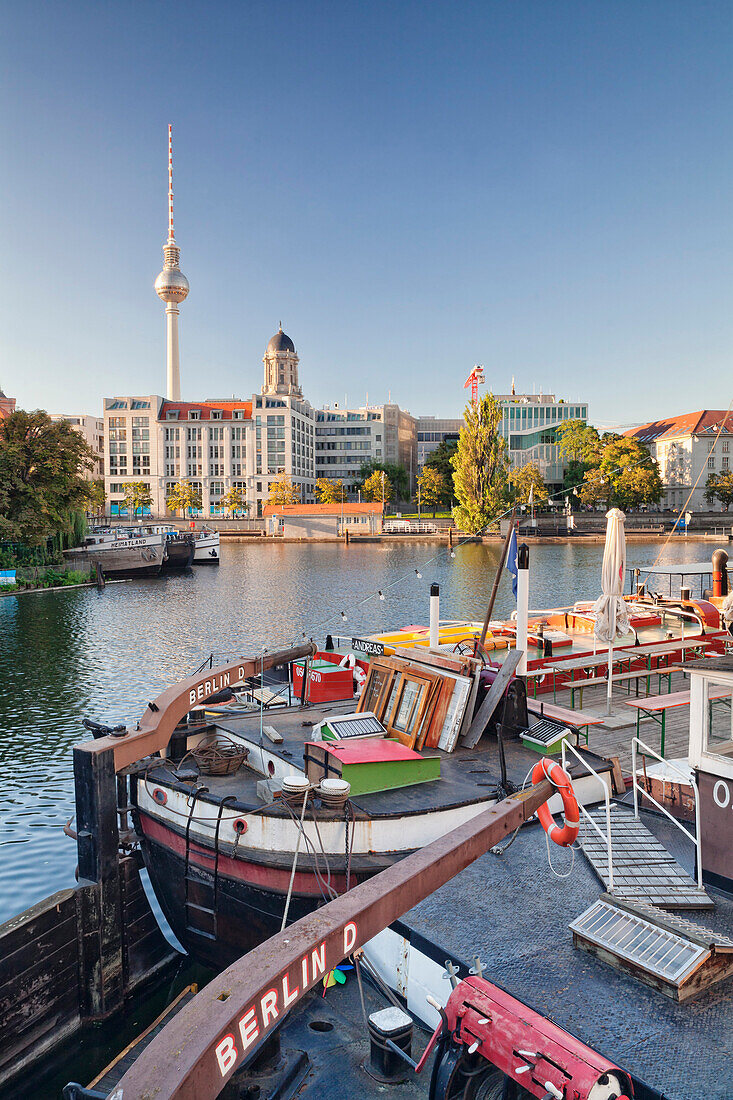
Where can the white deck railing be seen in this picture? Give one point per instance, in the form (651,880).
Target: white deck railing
(605,837)
(686,778)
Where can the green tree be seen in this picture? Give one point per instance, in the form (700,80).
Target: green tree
(480,466)
(595,489)
(96,496)
(574,473)
(183,497)
(441,460)
(396,473)
(432,487)
(42,483)
(330,492)
(137,496)
(234,500)
(283,491)
(528,479)
(631,471)
(377,487)
(720,487)
(579,442)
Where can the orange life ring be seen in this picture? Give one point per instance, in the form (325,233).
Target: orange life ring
(565,836)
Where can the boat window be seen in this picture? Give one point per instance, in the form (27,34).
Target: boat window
(718,722)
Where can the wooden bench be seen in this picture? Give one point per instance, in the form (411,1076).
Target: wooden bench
(620,678)
(656,706)
(576,718)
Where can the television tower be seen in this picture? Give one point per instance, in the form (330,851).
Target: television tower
(171,286)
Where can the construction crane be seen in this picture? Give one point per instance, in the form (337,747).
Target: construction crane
(474,380)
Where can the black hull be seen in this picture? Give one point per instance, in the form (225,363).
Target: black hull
(178,555)
(245,916)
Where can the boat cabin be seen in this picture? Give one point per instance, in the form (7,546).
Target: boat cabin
(711,757)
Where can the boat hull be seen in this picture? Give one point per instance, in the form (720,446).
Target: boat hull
(178,554)
(140,561)
(250,898)
(206,551)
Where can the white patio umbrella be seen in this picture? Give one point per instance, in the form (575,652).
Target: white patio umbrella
(612,618)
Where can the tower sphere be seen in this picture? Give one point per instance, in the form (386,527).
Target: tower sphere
(171,285)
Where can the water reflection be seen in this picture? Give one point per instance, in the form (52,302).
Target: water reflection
(83,653)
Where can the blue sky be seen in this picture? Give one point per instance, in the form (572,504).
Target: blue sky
(541,187)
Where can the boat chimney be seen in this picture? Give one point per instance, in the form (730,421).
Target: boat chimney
(434,615)
(720,573)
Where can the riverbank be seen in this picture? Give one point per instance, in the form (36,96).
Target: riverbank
(442,538)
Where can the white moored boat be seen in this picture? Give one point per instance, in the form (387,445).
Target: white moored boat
(207,548)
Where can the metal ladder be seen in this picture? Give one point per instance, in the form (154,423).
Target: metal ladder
(202,919)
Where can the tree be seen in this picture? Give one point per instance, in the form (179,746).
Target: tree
(137,496)
(574,474)
(432,487)
(377,487)
(283,491)
(183,497)
(234,500)
(637,485)
(720,487)
(528,479)
(440,459)
(96,496)
(595,489)
(42,483)
(330,492)
(396,473)
(631,471)
(480,466)
(579,442)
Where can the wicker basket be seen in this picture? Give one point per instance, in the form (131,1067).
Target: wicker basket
(219,756)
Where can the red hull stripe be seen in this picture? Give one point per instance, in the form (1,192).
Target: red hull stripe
(275,879)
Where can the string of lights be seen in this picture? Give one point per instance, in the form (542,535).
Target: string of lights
(337,617)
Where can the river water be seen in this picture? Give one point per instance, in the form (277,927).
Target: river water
(81,653)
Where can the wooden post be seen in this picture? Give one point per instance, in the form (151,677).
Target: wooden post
(98,898)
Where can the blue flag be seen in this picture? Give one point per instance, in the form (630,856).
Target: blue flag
(511,561)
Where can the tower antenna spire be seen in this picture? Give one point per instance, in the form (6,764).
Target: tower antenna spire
(171,234)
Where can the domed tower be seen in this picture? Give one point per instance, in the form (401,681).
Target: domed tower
(281,366)
(171,286)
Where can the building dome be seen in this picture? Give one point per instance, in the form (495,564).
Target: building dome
(171,285)
(280,342)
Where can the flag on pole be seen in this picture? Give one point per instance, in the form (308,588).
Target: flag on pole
(511,561)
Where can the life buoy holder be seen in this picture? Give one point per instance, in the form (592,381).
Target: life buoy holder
(565,836)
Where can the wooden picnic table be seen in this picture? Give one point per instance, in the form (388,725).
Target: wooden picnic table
(621,655)
(656,705)
(579,719)
(624,678)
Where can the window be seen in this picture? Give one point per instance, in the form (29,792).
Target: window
(216,414)
(172,414)
(725,446)
(711,462)
(194,415)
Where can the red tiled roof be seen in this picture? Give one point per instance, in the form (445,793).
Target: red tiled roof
(692,423)
(204,409)
(323,509)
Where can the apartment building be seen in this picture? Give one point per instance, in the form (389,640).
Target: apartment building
(689,448)
(348,438)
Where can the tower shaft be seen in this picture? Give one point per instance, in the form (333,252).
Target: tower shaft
(173,367)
